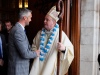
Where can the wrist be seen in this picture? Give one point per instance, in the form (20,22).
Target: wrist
(63,51)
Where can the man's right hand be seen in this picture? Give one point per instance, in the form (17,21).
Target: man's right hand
(1,62)
(38,52)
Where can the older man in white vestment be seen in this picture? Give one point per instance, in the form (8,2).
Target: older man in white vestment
(47,40)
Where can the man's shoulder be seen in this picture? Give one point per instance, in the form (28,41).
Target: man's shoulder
(39,32)
(15,29)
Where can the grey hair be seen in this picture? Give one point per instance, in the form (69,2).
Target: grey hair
(24,12)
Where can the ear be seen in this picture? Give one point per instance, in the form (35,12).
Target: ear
(25,18)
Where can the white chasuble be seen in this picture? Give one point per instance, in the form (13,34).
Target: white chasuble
(49,65)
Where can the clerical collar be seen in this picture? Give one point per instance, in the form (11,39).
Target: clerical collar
(48,32)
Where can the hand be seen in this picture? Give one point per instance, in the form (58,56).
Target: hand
(1,62)
(60,46)
(38,52)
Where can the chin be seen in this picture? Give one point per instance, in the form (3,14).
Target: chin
(47,28)
(27,24)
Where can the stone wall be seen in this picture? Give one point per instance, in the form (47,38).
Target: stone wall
(89,43)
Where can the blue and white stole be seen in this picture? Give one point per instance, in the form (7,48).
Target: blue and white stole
(45,49)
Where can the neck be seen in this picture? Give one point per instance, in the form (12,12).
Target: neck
(22,22)
(47,29)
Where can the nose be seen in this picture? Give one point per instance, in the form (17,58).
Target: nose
(44,20)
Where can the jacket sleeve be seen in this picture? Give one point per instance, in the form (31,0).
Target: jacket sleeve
(22,45)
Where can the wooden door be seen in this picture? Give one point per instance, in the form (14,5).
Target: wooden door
(75,36)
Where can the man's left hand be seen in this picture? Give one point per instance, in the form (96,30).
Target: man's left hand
(60,46)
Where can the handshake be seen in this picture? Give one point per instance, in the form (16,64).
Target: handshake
(60,47)
(38,52)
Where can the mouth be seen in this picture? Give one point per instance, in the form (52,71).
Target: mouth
(44,23)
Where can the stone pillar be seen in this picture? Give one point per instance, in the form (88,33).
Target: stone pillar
(89,45)
(95,69)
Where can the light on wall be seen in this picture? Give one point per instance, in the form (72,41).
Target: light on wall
(26,4)
(23,3)
(20,3)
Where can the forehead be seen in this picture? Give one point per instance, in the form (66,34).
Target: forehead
(29,14)
(8,24)
(47,17)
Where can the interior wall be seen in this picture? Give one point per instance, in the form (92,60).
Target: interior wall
(90,29)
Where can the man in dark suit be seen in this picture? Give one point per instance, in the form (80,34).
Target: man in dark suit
(8,25)
(3,53)
(19,49)
(3,56)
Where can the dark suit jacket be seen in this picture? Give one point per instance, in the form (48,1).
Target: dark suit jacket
(19,52)
(3,69)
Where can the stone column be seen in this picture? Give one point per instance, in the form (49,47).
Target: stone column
(95,69)
(89,37)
